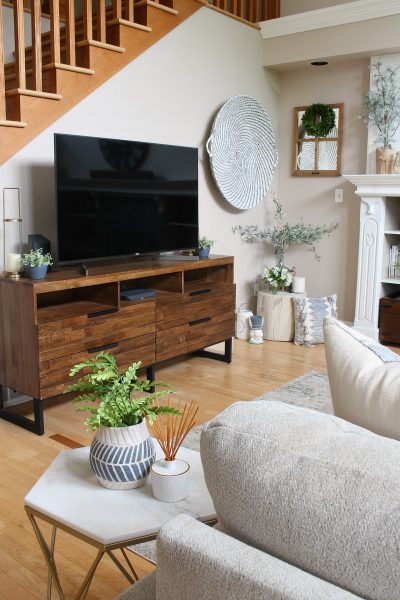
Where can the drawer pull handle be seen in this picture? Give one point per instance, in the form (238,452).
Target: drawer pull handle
(199,321)
(99,313)
(198,292)
(101,348)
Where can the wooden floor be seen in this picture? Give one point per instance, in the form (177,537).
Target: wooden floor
(24,457)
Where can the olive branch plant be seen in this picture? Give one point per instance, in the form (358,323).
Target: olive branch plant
(283,234)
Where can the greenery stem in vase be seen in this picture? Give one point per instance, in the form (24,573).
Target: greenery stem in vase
(283,235)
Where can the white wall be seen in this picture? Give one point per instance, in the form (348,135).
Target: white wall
(170,94)
(312,198)
(292,7)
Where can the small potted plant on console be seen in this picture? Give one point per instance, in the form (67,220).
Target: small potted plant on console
(35,263)
(204,246)
(122,451)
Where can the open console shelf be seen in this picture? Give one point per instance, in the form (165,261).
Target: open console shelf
(48,326)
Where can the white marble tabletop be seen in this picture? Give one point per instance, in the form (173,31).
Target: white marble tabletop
(69,493)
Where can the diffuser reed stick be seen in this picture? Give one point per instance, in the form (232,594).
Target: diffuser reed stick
(170,430)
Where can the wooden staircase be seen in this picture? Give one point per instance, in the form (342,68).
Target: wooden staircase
(80,52)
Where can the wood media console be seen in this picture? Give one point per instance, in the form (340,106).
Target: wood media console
(50,325)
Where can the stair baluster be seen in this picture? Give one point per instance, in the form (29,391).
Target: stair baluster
(55,53)
(70,54)
(87,20)
(37,79)
(19,44)
(2,75)
(129,10)
(117,9)
(101,21)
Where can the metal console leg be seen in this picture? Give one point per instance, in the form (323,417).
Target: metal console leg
(226,357)
(36,425)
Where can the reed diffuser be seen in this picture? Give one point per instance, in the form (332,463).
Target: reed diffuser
(170,476)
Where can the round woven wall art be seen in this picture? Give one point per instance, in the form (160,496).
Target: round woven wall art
(242,152)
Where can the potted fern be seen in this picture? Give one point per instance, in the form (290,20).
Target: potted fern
(122,451)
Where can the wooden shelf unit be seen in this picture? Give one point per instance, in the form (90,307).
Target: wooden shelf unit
(48,326)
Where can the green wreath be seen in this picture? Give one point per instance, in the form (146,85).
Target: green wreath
(318,120)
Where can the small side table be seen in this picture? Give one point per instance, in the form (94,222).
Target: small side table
(68,497)
(278,312)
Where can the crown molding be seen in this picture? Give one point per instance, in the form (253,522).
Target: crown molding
(342,14)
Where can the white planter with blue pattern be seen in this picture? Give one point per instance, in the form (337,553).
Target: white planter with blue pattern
(121,457)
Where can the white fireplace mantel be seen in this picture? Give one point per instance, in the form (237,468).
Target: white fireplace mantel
(375,227)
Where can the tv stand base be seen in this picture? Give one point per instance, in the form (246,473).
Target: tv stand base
(35,425)
(225,357)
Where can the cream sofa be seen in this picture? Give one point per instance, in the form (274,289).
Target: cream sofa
(308,507)
(364,378)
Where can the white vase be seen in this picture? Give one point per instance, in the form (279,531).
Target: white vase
(170,480)
(121,457)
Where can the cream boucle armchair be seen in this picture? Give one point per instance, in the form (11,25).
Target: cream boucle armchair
(308,508)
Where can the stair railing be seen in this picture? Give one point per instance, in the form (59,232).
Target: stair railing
(56,43)
(252,11)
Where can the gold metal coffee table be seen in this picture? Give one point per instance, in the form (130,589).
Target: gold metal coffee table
(69,497)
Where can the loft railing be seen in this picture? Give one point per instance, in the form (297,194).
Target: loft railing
(252,11)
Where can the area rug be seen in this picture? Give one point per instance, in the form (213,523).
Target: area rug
(310,390)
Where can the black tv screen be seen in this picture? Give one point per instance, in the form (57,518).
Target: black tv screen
(123,198)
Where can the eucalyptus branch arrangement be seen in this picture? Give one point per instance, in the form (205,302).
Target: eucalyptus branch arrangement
(382,103)
(282,235)
(107,394)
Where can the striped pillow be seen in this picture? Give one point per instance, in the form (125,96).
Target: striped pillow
(309,314)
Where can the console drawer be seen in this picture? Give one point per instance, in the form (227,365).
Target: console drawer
(61,338)
(54,374)
(194,335)
(200,300)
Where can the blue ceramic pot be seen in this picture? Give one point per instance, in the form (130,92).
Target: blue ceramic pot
(121,457)
(36,272)
(203,252)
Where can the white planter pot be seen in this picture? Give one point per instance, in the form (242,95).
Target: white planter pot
(121,457)
(170,480)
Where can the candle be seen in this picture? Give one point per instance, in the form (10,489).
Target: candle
(12,263)
(298,285)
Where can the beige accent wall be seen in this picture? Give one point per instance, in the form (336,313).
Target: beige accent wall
(339,43)
(293,7)
(312,198)
(170,94)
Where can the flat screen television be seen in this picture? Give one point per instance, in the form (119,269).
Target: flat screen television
(120,198)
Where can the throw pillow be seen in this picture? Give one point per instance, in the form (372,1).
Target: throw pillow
(309,315)
(364,378)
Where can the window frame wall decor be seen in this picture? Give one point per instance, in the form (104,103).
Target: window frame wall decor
(317,141)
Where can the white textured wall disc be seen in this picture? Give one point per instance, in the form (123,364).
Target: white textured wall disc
(242,152)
